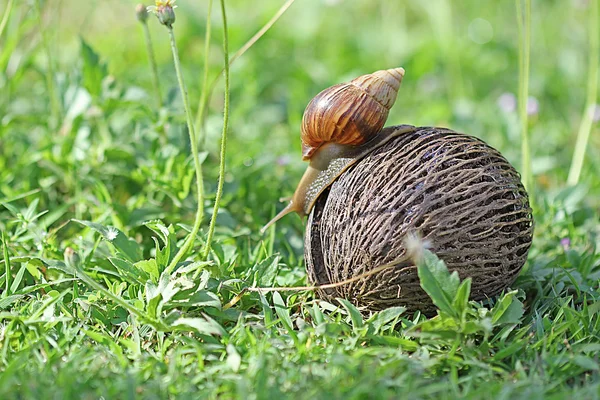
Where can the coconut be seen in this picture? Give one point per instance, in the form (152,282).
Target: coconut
(461,196)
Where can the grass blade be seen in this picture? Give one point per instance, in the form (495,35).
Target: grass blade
(524,25)
(592,91)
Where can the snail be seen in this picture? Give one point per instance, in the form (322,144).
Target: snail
(368,188)
(340,125)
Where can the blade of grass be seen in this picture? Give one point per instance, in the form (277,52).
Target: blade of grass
(524,25)
(6,16)
(219,194)
(592,91)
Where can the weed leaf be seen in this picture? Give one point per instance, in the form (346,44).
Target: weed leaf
(438,282)
(93,70)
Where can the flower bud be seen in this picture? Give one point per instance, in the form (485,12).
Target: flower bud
(141,13)
(164,11)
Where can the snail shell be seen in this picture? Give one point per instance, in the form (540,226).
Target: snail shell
(350,113)
(341,125)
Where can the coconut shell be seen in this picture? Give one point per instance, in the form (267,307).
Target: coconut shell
(462,197)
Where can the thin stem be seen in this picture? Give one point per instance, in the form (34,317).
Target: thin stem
(152,60)
(204,95)
(524,24)
(592,90)
(6,16)
(261,32)
(189,241)
(213,219)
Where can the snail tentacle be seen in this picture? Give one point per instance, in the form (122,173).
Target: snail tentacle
(341,125)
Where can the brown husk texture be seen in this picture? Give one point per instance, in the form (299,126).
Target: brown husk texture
(459,194)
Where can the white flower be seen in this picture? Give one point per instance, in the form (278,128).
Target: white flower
(112,233)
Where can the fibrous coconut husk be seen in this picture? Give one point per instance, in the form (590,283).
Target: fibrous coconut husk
(459,194)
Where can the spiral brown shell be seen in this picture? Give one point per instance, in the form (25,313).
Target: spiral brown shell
(350,113)
(463,198)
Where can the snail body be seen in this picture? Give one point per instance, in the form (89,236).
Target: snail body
(340,125)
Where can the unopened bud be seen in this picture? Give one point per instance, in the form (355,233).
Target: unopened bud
(164,11)
(141,13)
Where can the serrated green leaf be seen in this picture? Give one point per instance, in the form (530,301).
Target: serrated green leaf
(164,254)
(93,70)
(266,271)
(129,271)
(437,282)
(149,267)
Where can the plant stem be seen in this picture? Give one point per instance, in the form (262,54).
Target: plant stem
(5,16)
(152,60)
(204,95)
(189,241)
(524,24)
(592,90)
(261,32)
(213,219)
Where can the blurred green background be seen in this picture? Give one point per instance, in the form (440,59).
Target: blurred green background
(460,57)
(81,137)
(461,61)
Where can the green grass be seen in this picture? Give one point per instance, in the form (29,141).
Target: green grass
(98,193)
